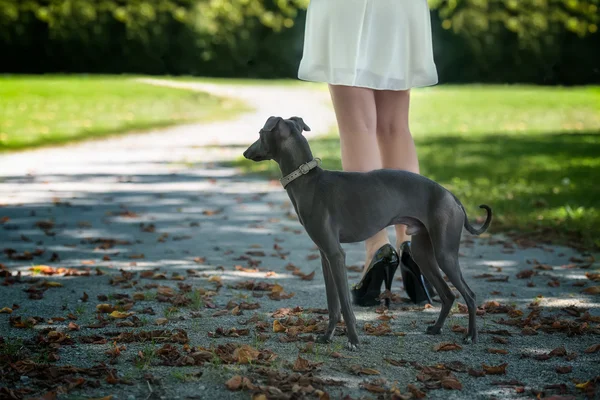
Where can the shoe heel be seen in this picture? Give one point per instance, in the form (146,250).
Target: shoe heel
(389,276)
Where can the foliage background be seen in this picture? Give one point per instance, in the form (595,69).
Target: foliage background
(525,41)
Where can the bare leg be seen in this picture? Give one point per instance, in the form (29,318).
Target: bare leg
(394,137)
(357,122)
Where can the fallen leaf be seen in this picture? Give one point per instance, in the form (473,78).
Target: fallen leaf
(447,346)
(459,329)
(583,385)
(161,321)
(165,291)
(73,326)
(476,373)
(234,383)
(558,352)
(120,315)
(595,277)
(593,349)
(592,290)
(415,391)
(52,284)
(304,365)
(309,277)
(500,340)
(451,383)
(495,370)
(372,387)
(525,274)
(358,370)
(564,369)
(378,330)
(278,327)
(105,308)
(245,354)
(6,310)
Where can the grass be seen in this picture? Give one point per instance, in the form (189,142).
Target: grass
(49,110)
(531,153)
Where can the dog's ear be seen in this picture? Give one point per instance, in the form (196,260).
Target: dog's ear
(301,123)
(271,123)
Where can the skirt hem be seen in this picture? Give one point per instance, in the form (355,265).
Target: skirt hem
(417,83)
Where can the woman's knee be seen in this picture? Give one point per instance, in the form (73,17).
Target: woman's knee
(355,110)
(392,114)
(392,129)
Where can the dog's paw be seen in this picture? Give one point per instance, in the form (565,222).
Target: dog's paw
(351,346)
(470,339)
(323,339)
(433,330)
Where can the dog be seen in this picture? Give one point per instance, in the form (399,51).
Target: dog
(337,207)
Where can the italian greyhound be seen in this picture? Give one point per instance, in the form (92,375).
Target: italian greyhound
(347,207)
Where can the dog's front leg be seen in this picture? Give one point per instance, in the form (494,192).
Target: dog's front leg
(337,266)
(333,301)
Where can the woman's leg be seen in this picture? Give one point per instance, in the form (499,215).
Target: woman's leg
(357,122)
(395,140)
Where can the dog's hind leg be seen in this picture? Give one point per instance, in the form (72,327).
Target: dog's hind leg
(450,266)
(446,247)
(333,301)
(424,256)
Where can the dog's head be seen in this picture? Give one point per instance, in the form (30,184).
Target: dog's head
(273,136)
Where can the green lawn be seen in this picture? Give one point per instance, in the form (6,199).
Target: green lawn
(44,110)
(531,153)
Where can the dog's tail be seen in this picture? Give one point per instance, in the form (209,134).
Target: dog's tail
(470,227)
(486,224)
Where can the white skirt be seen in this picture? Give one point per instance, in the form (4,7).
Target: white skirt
(377,44)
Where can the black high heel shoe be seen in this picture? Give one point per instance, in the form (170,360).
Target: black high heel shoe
(382,268)
(416,286)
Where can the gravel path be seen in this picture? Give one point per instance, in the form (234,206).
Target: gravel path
(170,234)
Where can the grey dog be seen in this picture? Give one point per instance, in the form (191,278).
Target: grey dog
(346,207)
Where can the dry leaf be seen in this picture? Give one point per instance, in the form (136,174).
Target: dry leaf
(564,369)
(73,326)
(120,315)
(6,310)
(415,391)
(476,373)
(451,383)
(234,383)
(278,327)
(459,329)
(105,308)
(592,290)
(593,349)
(161,321)
(447,346)
(373,388)
(593,276)
(495,370)
(309,277)
(52,284)
(497,351)
(245,354)
(165,291)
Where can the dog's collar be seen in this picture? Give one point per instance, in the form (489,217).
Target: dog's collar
(302,170)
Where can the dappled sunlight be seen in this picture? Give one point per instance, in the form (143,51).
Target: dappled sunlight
(497,263)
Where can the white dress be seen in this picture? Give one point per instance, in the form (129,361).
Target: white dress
(377,44)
